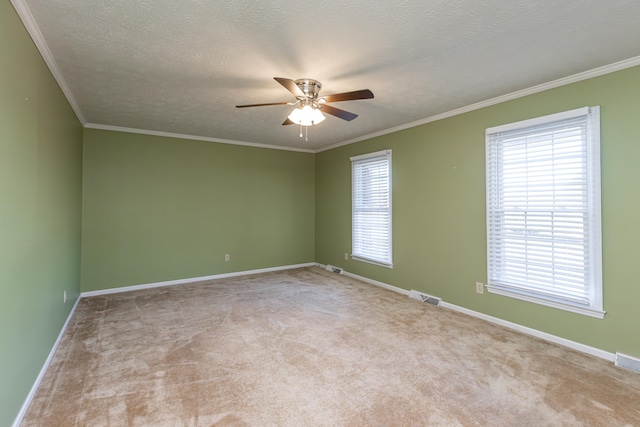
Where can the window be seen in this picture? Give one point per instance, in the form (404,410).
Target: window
(543,211)
(371,208)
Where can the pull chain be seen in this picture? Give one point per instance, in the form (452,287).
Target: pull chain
(306,133)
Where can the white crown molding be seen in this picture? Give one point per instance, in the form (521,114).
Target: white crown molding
(596,72)
(193,137)
(191,280)
(34,388)
(29,22)
(593,351)
(34,31)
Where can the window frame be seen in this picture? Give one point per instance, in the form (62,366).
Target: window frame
(592,267)
(356,254)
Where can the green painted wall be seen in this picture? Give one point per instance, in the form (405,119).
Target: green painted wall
(40,212)
(439,239)
(157,208)
(154,209)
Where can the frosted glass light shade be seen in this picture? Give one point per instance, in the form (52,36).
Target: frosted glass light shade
(306,116)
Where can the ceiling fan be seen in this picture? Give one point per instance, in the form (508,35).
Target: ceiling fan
(310,106)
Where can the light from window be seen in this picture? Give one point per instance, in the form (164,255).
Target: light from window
(543,211)
(371,208)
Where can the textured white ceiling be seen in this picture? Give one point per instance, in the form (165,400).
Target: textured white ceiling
(182,66)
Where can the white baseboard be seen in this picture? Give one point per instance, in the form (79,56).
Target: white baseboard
(534,332)
(192,279)
(377,283)
(515,326)
(526,330)
(36,384)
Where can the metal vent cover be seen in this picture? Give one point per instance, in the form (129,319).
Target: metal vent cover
(420,296)
(628,362)
(333,269)
(432,300)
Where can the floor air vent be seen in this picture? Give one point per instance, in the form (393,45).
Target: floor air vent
(628,362)
(424,297)
(334,269)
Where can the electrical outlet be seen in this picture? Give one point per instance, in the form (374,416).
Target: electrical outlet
(480,287)
(64,296)
(226,257)
(346,256)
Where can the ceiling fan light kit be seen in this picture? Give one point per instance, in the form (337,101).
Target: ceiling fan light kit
(309,106)
(307,115)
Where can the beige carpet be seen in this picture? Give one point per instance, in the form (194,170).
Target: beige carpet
(311,348)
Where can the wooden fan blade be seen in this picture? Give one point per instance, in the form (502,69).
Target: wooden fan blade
(261,105)
(348,96)
(344,115)
(290,85)
(287,122)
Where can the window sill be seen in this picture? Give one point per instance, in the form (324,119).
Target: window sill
(599,314)
(378,263)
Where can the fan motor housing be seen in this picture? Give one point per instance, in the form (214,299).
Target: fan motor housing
(310,87)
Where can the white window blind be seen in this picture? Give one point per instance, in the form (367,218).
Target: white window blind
(543,211)
(371,208)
